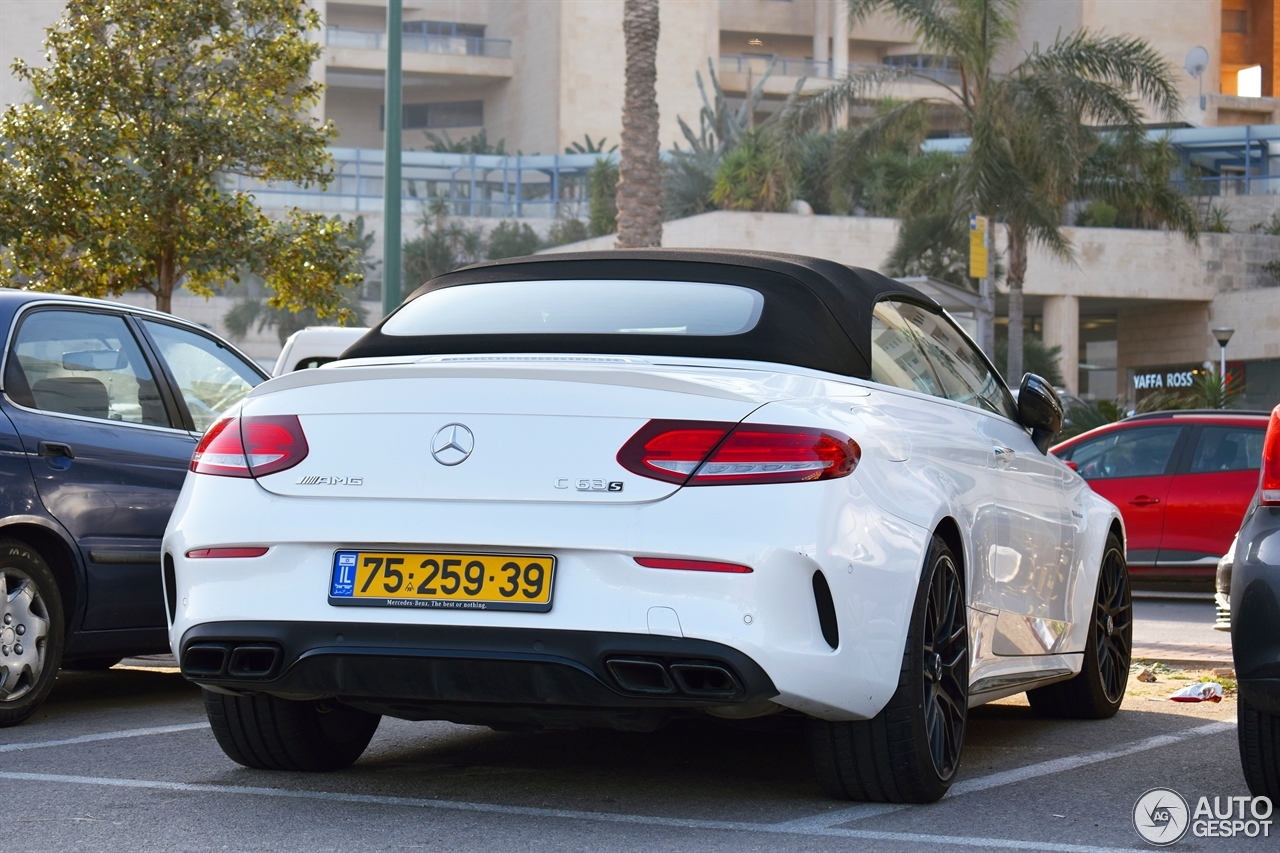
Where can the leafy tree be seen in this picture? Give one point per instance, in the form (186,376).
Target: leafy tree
(1030,127)
(753,176)
(110,178)
(639,193)
(690,176)
(602,194)
(512,239)
(1037,358)
(444,246)
(589,146)
(254,308)
(564,231)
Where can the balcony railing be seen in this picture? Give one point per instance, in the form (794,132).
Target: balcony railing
(482,185)
(451,45)
(784,67)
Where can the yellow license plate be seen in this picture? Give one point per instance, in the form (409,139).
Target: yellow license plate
(450,581)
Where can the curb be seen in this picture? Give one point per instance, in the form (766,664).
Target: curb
(1184,655)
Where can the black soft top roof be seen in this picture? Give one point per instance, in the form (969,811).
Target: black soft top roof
(816,314)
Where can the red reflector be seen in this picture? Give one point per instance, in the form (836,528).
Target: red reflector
(204,553)
(693,565)
(1271,461)
(252,446)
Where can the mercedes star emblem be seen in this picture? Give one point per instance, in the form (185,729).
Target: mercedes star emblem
(452,444)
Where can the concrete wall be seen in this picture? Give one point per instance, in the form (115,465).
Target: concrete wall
(22,29)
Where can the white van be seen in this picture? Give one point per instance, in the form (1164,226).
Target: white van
(314,346)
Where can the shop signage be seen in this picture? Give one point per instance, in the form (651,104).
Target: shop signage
(1152,380)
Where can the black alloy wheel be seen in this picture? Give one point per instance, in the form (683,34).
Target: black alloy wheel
(1113,625)
(910,751)
(945,667)
(1096,693)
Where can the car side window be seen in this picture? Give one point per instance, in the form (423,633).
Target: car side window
(210,377)
(897,357)
(963,371)
(1126,453)
(1228,448)
(82,363)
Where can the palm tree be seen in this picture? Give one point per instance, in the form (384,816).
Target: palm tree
(640,173)
(1030,128)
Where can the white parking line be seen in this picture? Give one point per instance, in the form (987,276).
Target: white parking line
(570,814)
(1071,762)
(1009,777)
(825,824)
(126,733)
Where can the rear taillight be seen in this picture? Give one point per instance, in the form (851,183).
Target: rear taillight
(703,453)
(252,446)
(1271,461)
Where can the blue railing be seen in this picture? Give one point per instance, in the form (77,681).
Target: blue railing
(453,45)
(481,185)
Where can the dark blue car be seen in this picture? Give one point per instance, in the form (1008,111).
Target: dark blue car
(102,406)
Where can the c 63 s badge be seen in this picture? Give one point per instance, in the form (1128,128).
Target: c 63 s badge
(586,484)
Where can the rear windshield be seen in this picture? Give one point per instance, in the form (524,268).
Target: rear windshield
(582,307)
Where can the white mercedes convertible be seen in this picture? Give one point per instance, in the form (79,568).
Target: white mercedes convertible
(611,489)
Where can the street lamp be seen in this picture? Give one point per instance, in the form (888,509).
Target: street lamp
(1222,336)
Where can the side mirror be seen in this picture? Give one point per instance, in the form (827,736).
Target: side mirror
(1039,410)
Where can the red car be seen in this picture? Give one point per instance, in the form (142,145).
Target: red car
(1182,480)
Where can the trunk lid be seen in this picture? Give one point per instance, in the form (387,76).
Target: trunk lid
(501,431)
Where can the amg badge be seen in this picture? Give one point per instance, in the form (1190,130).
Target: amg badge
(330,481)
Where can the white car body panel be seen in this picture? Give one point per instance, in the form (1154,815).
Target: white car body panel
(925,461)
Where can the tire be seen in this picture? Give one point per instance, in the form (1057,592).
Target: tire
(268,733)
(1097,692)
(1259,734)
(910,751)
(32,631)
(92,664)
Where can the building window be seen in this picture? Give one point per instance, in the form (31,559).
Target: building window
(1235,21)
(444,28)
(439,116)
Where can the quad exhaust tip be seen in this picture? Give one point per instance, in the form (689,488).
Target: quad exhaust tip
(243,660)
(694,679)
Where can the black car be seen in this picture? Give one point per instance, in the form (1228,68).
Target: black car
(101,408)
(1255,625)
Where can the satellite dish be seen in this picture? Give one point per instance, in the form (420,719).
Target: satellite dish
(1197,61)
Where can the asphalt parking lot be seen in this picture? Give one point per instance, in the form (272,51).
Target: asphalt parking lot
(123,759)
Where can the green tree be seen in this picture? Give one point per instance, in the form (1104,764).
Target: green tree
(110,178)
(639,194)
(476,143)
(445,245)
(564,231)
(510,240)
(253,309)
(1030,127)
(602,195)
(589,146)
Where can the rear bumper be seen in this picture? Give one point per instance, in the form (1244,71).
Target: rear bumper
(485,675)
